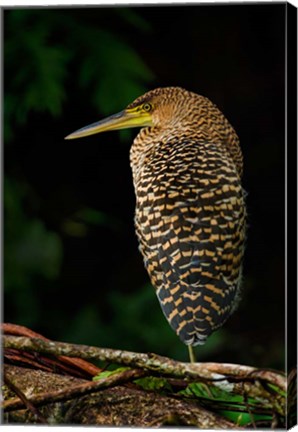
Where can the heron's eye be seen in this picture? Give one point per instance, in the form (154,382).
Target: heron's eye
(147,107)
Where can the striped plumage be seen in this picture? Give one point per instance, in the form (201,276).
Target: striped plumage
(190,210)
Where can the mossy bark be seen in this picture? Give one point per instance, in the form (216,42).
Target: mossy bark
(124,405)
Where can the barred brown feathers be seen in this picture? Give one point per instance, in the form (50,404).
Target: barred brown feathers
(190,209)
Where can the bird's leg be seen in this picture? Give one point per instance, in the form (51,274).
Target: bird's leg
(191,353)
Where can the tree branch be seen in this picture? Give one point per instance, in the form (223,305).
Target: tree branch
(18,330)
(267,388)
(231,377)
(42,399)
(24,402)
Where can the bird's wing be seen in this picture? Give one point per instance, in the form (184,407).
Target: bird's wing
(196,293)
(194,261)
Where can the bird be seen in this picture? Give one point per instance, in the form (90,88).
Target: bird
(190,215)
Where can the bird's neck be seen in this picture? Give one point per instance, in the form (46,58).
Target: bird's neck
(150,139)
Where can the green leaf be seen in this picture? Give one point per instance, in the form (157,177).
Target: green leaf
(209,392)
(239,418)
(244,418)
(277,389)
(234,405)
(153,383)
(35,68)
(107,373)
(38,49)
(116,75)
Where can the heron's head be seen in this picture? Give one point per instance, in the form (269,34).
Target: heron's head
(159,108)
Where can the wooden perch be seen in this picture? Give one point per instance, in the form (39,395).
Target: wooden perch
(113,406)
(75,390)
(103,402)
(218,372)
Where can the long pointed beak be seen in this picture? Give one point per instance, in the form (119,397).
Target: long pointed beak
(122,120)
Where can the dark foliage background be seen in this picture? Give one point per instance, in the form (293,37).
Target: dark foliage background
(72,269)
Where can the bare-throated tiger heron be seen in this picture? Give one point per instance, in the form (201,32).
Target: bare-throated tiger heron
(190,209)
